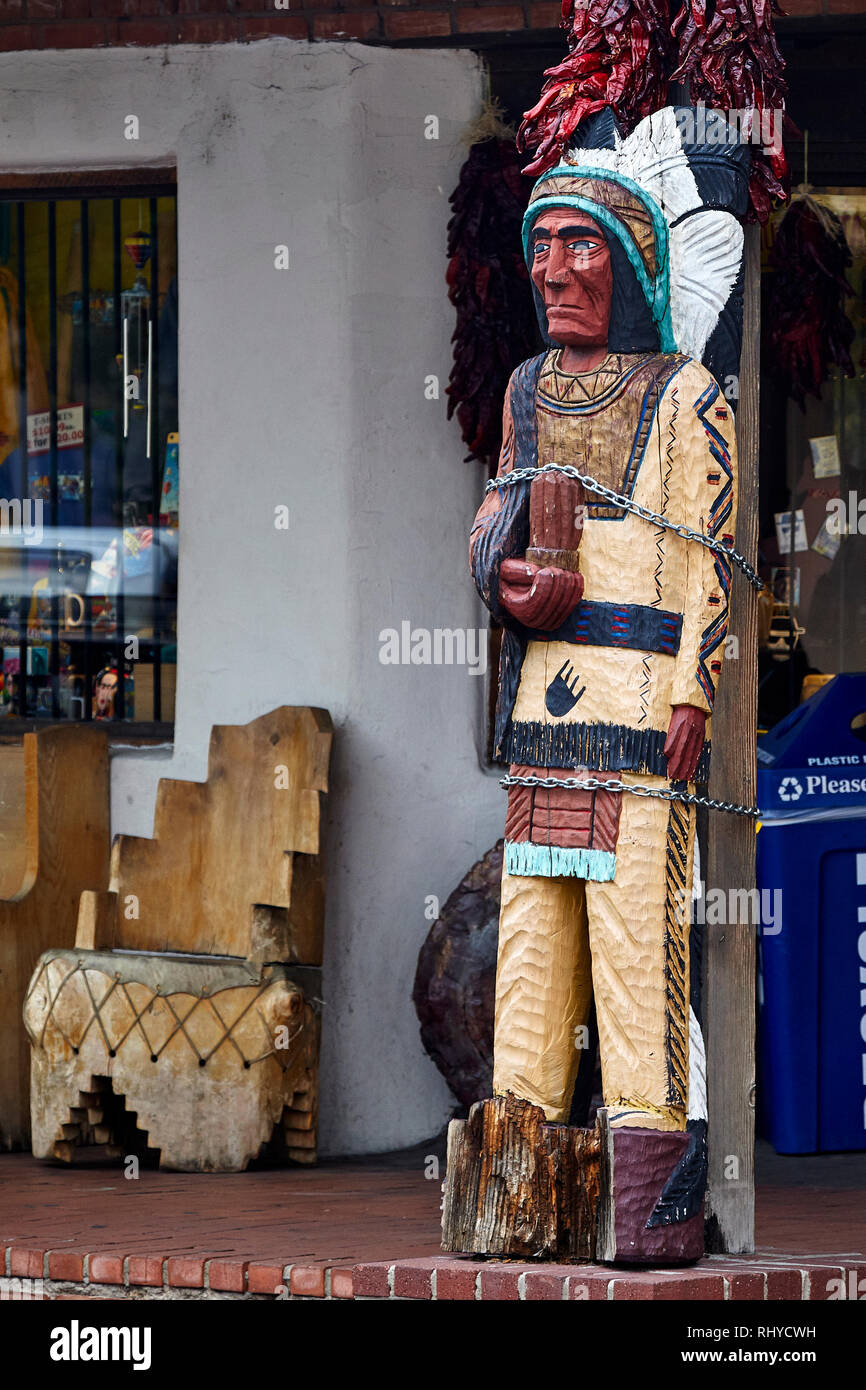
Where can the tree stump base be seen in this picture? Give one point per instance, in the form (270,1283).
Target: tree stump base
(518,1186)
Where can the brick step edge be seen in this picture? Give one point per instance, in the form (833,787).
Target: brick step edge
(29,1273)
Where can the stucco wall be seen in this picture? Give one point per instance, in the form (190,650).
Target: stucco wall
(305,387)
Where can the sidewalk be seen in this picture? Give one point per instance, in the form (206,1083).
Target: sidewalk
(368,1228)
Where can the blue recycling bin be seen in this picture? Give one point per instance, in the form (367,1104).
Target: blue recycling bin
(811,846)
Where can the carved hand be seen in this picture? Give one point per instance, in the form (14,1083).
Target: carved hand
(537,597)
(684,742)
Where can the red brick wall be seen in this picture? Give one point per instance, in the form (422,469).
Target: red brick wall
(90,23)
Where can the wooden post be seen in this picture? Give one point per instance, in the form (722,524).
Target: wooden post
(730,948)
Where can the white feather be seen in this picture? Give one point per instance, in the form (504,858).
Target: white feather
(706,254)
(697,1071)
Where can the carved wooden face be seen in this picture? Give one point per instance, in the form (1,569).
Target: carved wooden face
(572,272)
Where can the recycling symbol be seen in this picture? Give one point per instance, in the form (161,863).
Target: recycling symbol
(790,789)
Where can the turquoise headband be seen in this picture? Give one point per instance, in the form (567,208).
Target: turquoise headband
(656,292)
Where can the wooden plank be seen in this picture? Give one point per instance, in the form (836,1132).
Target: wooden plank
(13,844)
(730,948)
(64,832)
(236,840)
(97,919)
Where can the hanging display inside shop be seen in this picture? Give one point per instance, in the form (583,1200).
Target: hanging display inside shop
(10,351)
(137,355)
(808,330)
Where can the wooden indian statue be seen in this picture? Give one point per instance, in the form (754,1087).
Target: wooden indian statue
(614,633)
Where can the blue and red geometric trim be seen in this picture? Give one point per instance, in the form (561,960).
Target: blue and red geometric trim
(714,635)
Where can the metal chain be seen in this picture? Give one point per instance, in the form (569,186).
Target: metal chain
(594,783)
(521,475)
(637,788)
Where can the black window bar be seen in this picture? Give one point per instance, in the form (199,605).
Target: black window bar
(154,451)
(54,600)
(23,451)
(119,452)
(86,368)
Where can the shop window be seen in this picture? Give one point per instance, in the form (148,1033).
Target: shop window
(814,467)
(88,451)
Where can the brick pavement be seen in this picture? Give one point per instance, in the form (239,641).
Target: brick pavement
(363,1230)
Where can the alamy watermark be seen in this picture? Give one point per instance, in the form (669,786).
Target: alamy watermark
(438,646)
(77,1343)
(717,907)
(21,518)
(846,518)
(704,126)
(21,1289)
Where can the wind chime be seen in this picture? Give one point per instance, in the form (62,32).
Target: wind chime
(135,308)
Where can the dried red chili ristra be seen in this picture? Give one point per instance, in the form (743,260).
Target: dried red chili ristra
(729,56)
(620,56)
(489,287)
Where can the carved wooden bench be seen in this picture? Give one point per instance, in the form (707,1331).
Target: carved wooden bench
(184,1026)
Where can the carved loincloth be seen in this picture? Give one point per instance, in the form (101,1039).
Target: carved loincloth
(562,832)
